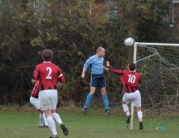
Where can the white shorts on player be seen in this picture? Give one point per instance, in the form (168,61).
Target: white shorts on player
(134,98)
(35,102)
(48,99)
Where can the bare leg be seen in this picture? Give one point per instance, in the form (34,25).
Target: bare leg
(92,90)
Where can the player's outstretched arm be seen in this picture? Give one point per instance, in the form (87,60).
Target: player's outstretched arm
(105,68)
(119,72)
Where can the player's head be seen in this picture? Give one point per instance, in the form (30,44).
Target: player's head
(131,66)
(100,51)
(47,55)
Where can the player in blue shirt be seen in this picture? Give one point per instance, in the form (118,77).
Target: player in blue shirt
(95,63)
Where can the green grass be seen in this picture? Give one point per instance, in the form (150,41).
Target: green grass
(25,125)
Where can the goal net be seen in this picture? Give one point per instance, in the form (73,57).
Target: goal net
(158,65)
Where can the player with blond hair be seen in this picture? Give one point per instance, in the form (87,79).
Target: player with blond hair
(95,63)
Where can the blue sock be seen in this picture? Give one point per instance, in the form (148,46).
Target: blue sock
(106,103)
(88,100)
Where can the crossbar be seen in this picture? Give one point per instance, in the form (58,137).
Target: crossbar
(156,44)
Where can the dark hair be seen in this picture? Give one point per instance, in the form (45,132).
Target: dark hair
(47,55)
(132,66)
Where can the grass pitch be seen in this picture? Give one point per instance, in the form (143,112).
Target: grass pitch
(25,125)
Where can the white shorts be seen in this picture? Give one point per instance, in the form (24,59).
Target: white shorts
(48,99)
(134,98)
(35,102)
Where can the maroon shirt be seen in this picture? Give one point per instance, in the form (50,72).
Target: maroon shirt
(129,79)
(48,75)
(36,89)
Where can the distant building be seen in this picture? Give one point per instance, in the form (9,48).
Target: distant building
(102,6)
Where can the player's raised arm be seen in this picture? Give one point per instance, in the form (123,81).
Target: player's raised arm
(113,69)
(105,68)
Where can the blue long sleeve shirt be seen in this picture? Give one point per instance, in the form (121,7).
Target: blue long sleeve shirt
(96,64)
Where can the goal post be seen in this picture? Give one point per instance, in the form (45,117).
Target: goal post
(132,106)
(158,64)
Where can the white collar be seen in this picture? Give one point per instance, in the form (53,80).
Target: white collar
(47,62)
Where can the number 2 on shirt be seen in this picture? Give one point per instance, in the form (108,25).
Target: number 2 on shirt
(49,77)
(132,78)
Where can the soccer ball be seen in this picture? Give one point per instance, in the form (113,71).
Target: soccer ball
(129,41)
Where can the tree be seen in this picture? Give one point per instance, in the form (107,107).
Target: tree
(73,33)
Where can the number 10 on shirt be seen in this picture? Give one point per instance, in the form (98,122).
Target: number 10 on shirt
(132,78)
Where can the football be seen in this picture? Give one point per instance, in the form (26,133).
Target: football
(129,41)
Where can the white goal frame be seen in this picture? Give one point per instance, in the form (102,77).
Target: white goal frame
(135,61)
